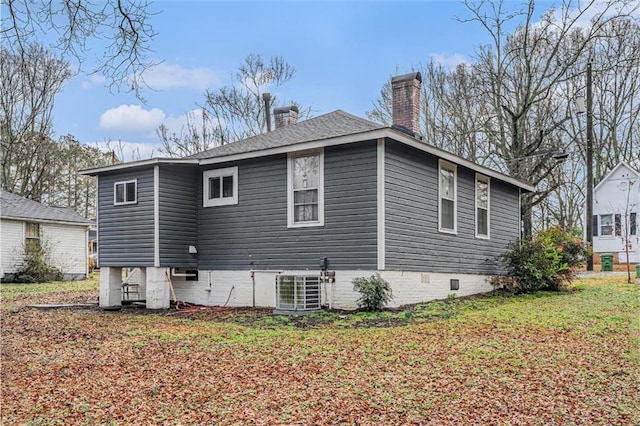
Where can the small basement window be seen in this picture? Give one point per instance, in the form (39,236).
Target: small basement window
(125,192)
(220,187)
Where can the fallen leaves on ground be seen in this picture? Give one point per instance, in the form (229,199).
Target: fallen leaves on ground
(566,358)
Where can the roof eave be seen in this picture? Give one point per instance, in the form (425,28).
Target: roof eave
(53,221)
(136,164)
(423,146)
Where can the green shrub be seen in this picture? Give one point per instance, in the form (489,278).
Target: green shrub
(35,267)
(543,262)
(374,291)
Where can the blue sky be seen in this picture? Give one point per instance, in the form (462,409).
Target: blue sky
(343,52)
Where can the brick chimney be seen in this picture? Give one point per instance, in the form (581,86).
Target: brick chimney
(406,102)
(285,116)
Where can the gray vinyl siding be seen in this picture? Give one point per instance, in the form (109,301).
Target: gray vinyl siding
(125,233)
(254,235)
(412,239)
(178,215)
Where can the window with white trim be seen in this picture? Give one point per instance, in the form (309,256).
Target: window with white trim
(482,206)
(125,192)
(447,190)
(606,225)
(305,184)
(220,187)
(32,237)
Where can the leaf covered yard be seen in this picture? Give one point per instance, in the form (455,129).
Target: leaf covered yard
(549,358)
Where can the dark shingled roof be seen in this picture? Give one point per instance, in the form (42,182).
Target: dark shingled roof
(15,206)
(331,125)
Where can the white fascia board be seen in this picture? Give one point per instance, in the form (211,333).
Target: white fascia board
(47,221)
(140,163)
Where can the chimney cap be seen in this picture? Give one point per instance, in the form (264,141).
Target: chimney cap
(284,110)
(407,77)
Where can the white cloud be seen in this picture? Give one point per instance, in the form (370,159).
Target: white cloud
(132,118)
(179,123)
(449,61)
(172,76)
(93,80)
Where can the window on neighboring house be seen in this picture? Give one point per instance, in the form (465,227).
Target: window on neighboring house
(482,206)
(220,187)
(633,227)
(305,190)
(618,225)
(606,225)
(594,225)
(447,193)
(125,192)
(32,236)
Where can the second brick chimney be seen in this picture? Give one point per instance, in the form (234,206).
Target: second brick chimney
(406,102)
(285,116)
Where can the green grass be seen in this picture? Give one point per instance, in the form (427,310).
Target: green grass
(547,358)
(14,291)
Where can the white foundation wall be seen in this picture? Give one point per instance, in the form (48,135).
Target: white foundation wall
(235,288)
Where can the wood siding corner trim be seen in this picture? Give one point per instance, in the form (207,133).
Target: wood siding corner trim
(156,216)
(381,203)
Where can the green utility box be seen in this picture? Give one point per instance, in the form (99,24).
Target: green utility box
(638,271)
(606,262)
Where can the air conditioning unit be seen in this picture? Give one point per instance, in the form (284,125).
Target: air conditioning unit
(298,292)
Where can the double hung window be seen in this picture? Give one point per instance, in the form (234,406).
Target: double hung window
(306,189)
(482,206)
(447,190)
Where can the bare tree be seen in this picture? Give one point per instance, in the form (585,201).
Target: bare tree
(29,84)
(122,26)
(232,112)
(512,108)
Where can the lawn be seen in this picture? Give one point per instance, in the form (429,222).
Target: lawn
(568,358)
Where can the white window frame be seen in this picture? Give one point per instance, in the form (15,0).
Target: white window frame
(125,202)
(452,167)
(32,240)
(290,198)
(221,173)
(487,180)
(600,233)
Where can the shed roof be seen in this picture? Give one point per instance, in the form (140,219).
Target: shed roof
(14,206)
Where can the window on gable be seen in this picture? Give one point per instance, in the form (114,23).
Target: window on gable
(606,225)
(125,192)
(306,190)
(482,206)
(32,237)
(220,187)
(447,190)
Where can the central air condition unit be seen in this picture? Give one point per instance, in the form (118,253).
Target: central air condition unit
(298,292)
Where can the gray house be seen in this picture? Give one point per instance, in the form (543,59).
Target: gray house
(288,218)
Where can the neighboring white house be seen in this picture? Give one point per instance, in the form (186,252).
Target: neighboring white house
(616,212)
(61,230)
